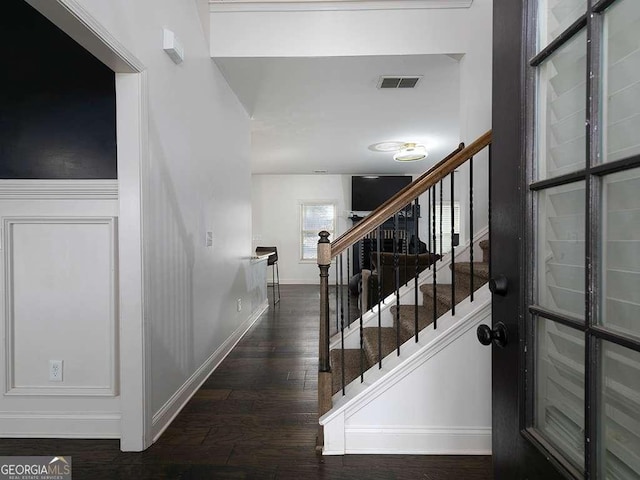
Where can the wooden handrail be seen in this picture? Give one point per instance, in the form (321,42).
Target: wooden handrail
(407,194)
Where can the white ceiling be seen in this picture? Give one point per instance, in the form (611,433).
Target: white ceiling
(323,113)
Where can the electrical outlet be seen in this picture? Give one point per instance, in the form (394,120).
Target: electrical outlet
(55,370)
(239,302)
(209,239)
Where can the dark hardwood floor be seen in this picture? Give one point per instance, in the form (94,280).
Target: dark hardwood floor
(254,418)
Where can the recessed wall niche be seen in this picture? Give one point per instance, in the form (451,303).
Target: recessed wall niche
(58,103)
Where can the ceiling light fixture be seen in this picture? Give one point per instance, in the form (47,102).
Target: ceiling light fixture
(411,152)
(386,146)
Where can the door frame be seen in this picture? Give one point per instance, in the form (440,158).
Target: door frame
(133,163)
(514,456)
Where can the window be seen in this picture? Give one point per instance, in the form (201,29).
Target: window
(315,217)
(445,235)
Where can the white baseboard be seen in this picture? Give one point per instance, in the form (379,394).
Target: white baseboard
(165,415)
(60,425)
(418,440)
(299,281)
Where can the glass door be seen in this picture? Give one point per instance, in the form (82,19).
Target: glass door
(582,388)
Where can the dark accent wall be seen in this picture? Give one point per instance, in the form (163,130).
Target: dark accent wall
(57,102)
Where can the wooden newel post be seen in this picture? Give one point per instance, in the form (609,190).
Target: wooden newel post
(324,366)
(324,261)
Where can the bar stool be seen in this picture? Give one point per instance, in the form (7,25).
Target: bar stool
(272,261)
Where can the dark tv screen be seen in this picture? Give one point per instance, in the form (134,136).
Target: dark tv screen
(368,193)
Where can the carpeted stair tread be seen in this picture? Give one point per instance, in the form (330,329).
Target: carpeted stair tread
(443,293)
(351,367)
(370,341)
(407,318)
(480,269)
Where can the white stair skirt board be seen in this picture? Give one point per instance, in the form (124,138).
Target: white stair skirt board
(407,296)
(406,440)
(165,415)
(435,398)
(51,424)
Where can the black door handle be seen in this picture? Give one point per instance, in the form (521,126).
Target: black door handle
(499,285)
(498,336)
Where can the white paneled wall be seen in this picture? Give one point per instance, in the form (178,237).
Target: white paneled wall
(59,302)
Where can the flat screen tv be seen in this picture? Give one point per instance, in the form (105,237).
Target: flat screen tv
(368,192)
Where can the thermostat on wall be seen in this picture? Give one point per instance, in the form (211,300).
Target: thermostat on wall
(172,46)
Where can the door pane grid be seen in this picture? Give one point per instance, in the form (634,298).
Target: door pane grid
(556,16)
(564,319)
(627,342)
(599,359)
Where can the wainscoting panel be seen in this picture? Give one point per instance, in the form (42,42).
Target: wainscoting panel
(60,302)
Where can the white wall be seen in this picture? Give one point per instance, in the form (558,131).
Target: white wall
(276,217)
(198,181)
(344,32)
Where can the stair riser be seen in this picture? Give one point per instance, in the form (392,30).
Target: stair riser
(427,299)
(388,343)
(407,322)
(484,245)
(463,280)
(352,368)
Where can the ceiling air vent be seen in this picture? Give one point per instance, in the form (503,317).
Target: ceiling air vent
(398,82)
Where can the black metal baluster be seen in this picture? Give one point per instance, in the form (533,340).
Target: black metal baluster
(453,250)
(416,248)
(396,269)
(348,291)
(471,224)
(441,253)
(337,296)
(435,268)
(341,325)
(431,251)
(341,292)
(379,268)
(405,244)
(362,309)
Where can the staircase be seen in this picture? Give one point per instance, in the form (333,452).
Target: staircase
(386,338)
(418,345)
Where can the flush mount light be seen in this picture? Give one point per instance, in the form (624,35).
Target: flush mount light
(411,152)
(386,146)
